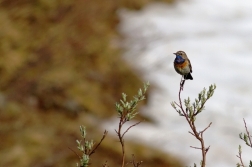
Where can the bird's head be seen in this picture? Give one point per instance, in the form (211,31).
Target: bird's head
(181,54)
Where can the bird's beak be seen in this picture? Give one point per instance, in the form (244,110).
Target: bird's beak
(174,53)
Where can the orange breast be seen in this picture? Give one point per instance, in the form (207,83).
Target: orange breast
(182,65)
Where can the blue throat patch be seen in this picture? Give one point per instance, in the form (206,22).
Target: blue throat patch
(179,59)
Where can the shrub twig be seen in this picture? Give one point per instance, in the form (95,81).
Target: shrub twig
(135,164)
(87,148)
(191,111)
(127,111)
(246,137)
(240,158)
(97,145)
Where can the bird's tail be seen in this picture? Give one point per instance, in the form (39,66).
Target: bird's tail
(188,76)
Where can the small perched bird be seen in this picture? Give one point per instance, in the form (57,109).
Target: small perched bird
(182,65)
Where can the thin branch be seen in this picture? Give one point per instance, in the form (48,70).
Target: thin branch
(202,105)
(191,133)
(240,157)
(131,127)
(177,104)
(247,132)
(74,152)
(135,164)
(103,137)
(120,136)
(201,132)
(196,147)
(207,149)
(121,140)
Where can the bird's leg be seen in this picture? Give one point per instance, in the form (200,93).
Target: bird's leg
(182,82)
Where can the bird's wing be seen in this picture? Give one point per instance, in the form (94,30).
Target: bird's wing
(190,65)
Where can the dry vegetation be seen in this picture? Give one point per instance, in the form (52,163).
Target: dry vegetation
(60,68)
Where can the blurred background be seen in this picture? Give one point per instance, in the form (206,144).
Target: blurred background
(61,67)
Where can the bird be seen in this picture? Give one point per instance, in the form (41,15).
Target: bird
(183,65)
